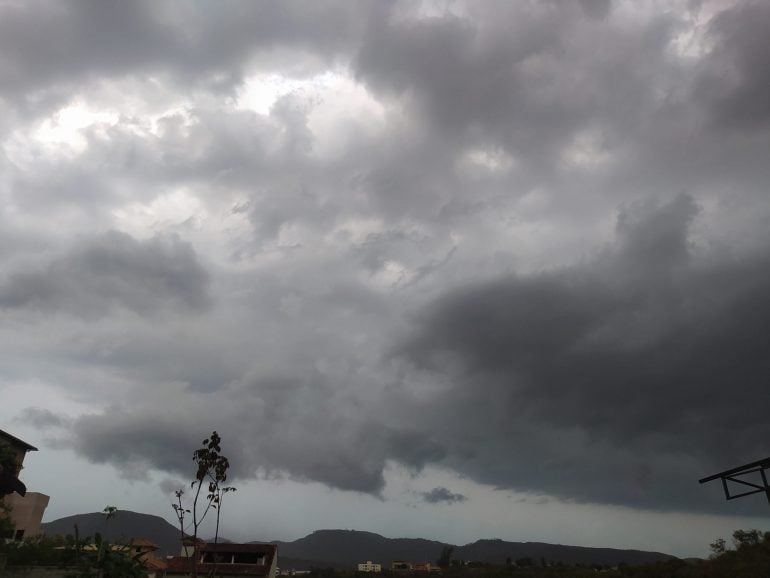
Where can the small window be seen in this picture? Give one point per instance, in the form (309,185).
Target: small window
(248,558)
(19,535)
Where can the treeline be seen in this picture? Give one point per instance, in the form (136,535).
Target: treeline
(747,557)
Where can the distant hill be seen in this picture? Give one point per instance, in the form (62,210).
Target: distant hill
(496,552)
(348,547)
(124,526)
(345,548)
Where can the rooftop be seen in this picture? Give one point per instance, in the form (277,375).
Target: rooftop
(16,442)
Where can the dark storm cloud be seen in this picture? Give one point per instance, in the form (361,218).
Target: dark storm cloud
(507,136)
(111,270)
(133,446)
(42,418)
(508,75)
(647,365)
(619,380)
(194,42)
(441,495)
(736,79)
(279,427)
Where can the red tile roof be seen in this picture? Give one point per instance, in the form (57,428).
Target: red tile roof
(154,564)
(144,542)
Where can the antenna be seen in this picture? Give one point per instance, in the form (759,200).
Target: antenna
(739,476)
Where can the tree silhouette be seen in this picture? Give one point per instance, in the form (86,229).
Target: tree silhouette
(211,472)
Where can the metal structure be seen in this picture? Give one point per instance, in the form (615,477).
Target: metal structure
(739,476)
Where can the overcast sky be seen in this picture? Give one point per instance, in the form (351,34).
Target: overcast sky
(441,269)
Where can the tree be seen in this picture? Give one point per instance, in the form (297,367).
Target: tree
(211,472)
(743,538)
(102,559)
(8,471)
(718,547)
(446,557)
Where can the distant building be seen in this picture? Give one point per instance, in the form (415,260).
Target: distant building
(369,566)
(144,551)
(230,560)
(188,546)
(404,566)
(27,508)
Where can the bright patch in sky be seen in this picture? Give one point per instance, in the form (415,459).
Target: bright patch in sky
(169,210)
(66,126)
(259,93)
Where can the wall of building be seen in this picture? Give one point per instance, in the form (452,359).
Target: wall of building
(27,512)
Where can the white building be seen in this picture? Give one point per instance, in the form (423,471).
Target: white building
(368,566)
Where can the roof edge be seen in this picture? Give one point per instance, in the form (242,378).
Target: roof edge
(16,441)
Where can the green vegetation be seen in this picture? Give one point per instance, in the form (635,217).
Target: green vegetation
(83,558)
(7,464)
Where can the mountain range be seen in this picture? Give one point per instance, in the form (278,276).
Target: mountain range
(345,548)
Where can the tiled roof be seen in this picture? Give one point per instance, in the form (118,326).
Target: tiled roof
(154,564)
(144,542)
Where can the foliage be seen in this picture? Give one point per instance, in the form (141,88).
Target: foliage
(446,557)
(40,551)
(6,525)
(211,472)
(7,457)
(84,558)
(718,547)
(108,560)
(7,463)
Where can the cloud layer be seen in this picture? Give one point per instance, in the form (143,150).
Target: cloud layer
(522,242)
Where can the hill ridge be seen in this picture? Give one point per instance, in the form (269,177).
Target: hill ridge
(347,547)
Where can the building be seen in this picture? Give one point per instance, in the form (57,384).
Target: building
(26,513)
(26,508)
(230,561)
(369,566)
(144,551)
(141,549)
(188,546)
(404,566)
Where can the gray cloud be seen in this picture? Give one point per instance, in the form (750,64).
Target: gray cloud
(42,418)
(440,494)
(111,270)
(621,380)
(644,364)
(469,270)
(736,77)
(193,45)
